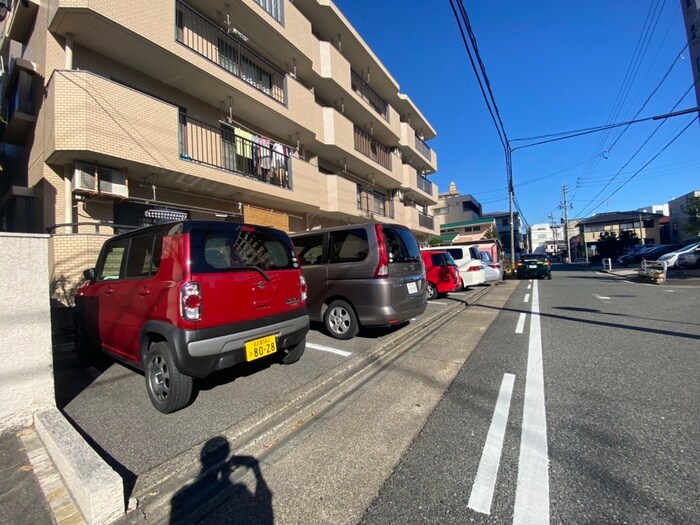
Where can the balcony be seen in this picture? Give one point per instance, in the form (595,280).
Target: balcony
(415,151)
(374,204)
(417,188)
(419,221)
(148,44)
(371,148)
(210,41)
(20,111)
(366,93)
(21,22)
(235,150)
(90,118)
(273,7)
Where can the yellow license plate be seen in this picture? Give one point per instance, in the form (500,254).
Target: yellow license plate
(260,347)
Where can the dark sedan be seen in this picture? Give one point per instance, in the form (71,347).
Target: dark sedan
(534,265)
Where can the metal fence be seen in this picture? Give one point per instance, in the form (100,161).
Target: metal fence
(426,221)
(365,144)
(425,185)
(423,148)
(370,96)
(208,40)
(235,150)
(374,203)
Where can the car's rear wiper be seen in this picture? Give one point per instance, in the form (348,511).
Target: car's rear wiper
(247,268)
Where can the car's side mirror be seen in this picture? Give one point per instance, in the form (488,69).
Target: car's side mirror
(89,274)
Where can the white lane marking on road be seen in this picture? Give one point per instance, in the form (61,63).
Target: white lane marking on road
(669,291)
(521,324)
(601,297)
(328,349)
(532,492)
(482,491)
(529,286)
(527,298)
(437,302)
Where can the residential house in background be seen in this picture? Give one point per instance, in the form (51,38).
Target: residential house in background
(454,207)
(123,114)
(503,225)
(546,238)
(679,218)
(466,232)
(645,225)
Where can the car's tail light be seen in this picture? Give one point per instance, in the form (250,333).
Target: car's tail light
(474,268)
(495,266)
(191,302)
(303,288)
(383,265)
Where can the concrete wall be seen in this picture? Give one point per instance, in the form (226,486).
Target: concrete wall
(26,361)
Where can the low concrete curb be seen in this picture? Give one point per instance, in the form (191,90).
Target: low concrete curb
(97,489)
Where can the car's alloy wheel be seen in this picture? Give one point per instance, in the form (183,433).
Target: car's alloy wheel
(432,291)
(340,320)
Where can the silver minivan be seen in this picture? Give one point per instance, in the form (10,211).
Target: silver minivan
(361,275)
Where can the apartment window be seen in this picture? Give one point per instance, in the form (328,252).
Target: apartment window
(273,7)
(505,222)
(379,203)
(649,223)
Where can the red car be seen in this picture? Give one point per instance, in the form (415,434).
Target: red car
(182,300)
(441,273)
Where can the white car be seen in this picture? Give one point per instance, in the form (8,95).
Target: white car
(672,258)
(493,269)
(689,259)
(471,268)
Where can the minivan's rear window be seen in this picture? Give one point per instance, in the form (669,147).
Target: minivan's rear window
(231,246)
(401,245)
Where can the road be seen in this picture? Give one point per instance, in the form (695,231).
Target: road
(618,439)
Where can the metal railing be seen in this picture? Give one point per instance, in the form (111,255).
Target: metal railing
(273,7)
(372,204)
(423,148)
(426,221)
(210,41)
(425,185)
(368,146)
(236,151)
(370,96)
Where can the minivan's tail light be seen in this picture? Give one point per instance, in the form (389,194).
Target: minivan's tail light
(383,265)
(474,268)
(191,301)
(303,288)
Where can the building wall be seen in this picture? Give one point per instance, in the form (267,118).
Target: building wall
(26,374)
(679,218)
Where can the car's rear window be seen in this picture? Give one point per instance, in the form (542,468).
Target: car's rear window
(401,245)
(231,246)
(534,257)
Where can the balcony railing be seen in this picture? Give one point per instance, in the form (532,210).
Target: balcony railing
(423,148)
(368,146)
(370,96)
(208,40)
(273,7)
(425,185)
(426,221)
(235,150)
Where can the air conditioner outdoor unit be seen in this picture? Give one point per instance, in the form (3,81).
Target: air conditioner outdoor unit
(84,179)
(100,179)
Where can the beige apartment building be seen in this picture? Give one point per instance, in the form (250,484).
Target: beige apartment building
(123,114)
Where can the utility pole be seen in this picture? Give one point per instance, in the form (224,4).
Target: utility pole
(554,234)
(565,207)
(509,170)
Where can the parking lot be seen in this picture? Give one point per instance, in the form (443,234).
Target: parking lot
(107,401)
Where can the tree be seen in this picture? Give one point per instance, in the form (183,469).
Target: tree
(692,210)
(608,245)
(627,239)
(491,234)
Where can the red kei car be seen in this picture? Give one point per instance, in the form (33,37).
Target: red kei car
(441,273)
(182,300)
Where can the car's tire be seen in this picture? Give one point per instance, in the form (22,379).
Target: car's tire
(461,285)
(168,388)
(432,292)
(549,277)
(294,353)
(340,320)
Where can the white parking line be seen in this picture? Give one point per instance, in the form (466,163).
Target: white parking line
(521,324)
(527,298)
(328,349)
(532,492)
(438,302)
(482,491)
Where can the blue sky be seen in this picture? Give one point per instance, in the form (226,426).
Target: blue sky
(553,66)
